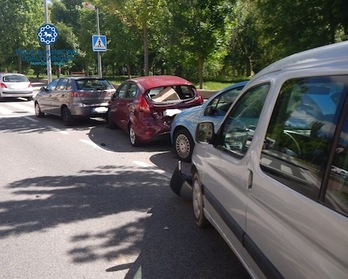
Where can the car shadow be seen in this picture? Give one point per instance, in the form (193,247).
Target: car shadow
(163,242)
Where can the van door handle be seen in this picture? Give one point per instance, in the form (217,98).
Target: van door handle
(250,179)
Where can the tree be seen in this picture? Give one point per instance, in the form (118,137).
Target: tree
(19,22)
(200,26)
(143,15)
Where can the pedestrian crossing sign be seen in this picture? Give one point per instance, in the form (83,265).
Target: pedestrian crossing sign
(99,43)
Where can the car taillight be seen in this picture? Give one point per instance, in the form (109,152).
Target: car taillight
(143,105)
(2,85)
(79,94)
(201,99)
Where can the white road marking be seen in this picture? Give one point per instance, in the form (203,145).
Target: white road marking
(94,145)
(153,168)
(286,169)
(5,111)
(58,130)
(22,107)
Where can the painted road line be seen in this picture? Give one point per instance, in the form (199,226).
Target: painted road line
(153,168)
(58,130)
(22,108)
(94,145)
(5,111)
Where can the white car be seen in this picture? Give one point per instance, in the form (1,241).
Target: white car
(14,85)
(265,180)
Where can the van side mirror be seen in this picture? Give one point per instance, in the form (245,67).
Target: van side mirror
(205,132)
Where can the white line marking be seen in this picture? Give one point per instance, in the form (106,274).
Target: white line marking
(5,111)
(153,168)
(22,107)
(94,145)
(58,130)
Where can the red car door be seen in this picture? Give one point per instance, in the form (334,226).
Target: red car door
(119,106)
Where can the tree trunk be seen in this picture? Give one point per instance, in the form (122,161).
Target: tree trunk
(146,52)
(200,70)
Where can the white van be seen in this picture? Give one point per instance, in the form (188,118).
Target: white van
(265,180)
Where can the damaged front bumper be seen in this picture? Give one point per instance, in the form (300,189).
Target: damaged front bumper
(181,184)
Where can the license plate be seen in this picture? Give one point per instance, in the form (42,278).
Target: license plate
(100,110)
(171,112)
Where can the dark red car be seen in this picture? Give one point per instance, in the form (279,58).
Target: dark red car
(144,107)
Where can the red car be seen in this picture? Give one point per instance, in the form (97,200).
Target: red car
(145,107)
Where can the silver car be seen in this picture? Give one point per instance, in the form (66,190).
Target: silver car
(74,97)
(267,181)
(14,85)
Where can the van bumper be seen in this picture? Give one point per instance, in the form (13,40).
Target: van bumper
(181,184)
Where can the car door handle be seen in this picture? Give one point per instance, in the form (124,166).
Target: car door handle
(250,179)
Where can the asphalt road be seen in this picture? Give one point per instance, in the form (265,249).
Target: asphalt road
(80,202)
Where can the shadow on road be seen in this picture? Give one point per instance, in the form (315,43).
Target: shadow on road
(163,242)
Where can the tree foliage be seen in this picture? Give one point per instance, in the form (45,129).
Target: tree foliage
(195,39)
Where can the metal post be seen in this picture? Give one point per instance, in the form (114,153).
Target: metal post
(98,52)
(48,48)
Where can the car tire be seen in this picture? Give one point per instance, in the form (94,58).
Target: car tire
(38,111)
(183,144)
(111,124)
(132,136)
(198,203)
(68,119)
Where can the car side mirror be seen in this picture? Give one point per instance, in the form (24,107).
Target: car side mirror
(205,132)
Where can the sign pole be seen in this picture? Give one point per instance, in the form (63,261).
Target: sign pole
(48,48)
(98,52)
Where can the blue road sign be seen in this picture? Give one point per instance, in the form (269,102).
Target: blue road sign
(47,34)
(99,43)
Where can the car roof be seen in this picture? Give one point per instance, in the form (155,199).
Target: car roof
(5,74)
(147,82)
(325,56)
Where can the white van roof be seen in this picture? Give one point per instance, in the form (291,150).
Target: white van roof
(316,57)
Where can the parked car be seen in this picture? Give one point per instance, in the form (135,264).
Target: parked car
(265,179)
(74,97)
(14,85)
(144,107)
(183,127)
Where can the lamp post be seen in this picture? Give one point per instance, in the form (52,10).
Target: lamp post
(89,6)
(48,48)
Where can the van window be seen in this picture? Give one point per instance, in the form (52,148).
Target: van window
(336,195)
(300,132)
(239,126)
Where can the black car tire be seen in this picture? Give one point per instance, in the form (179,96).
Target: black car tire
(132,136)
(38,111)
(68,119)
(183,144)
(198,203)
(111,124)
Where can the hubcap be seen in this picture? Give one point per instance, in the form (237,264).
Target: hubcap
(197,200)
(132,135)
(37,109)
(182,146)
